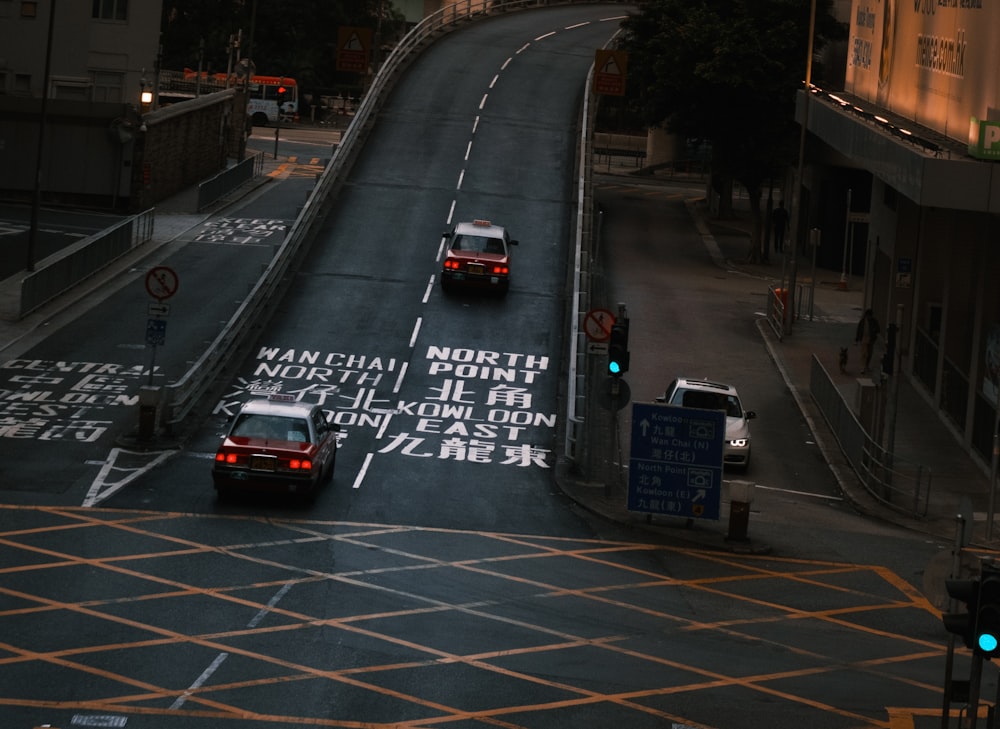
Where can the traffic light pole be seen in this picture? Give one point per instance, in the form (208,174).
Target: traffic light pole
(949,664)
(281,102)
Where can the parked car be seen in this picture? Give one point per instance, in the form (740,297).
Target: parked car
(708,395)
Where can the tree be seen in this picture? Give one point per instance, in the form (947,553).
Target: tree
(726,72)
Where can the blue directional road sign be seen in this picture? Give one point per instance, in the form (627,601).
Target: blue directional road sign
(675,463)
(156,332)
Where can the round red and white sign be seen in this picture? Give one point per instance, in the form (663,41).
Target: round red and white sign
(597,324)
(161,282)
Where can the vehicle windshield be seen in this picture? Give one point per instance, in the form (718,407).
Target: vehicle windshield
(271,427)
(477,244)
(708,401)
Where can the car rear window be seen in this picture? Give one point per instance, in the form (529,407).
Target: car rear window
(274,427)
(477,244)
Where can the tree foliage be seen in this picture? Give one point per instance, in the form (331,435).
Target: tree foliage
(290,37)
(726,72)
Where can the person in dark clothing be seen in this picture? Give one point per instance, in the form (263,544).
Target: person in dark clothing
(867,333)
(779,219)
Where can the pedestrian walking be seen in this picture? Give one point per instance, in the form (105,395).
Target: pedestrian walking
(867,333)
(779,219)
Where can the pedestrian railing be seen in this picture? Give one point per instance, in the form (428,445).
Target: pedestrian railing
(215,187)
(181,396)
(894,481)
(67,268)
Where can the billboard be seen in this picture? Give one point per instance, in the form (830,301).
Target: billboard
(936,62)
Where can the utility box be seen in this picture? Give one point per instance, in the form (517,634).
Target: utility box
(740,498)
(149,404)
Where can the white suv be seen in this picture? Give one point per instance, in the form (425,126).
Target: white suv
(707,395)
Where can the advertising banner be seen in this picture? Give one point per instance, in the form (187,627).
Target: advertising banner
(936,62)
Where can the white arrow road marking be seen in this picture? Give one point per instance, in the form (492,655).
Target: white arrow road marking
(141,462)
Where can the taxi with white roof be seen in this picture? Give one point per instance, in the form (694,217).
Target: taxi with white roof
(276,445)
(478,255)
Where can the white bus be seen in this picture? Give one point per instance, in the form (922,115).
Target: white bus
(263,99)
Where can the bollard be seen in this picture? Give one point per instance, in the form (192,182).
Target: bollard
(740,498)
(149,404)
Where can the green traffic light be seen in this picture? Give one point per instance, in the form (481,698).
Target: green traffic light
(615,368)
(987,642)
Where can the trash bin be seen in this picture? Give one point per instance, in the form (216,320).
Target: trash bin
(781,302)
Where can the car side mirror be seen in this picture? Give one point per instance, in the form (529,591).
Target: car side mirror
(512,242)
(749,414)
(661,398)
(328,416)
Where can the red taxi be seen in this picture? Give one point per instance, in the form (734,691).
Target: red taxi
(478,255)
(277,445)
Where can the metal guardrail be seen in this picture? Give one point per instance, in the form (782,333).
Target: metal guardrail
(895,481)
(64,270)
(180,397)
(228,180)
(577,360)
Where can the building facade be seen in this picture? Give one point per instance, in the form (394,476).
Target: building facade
(902,166)
(88,114)
(100,50)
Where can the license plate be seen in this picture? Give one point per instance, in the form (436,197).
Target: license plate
(476,269)
(263,463)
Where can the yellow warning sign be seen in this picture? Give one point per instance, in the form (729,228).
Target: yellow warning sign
(353,47)
(610,69)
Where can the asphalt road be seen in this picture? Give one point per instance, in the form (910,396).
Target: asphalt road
(442,579)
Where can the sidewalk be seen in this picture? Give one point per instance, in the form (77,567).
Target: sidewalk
(921,435)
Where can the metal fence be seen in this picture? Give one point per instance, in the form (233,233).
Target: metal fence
(64,270)
(896,482)
(180,397)
(214,188)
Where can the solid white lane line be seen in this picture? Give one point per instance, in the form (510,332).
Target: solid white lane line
(362,471)
(399,380)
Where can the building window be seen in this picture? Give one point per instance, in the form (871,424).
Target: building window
(74,89)
(111,9)
(29,9)
(108,86)
(22,83)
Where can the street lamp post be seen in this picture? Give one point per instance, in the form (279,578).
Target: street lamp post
(145,97)
(36,198)
(797,191)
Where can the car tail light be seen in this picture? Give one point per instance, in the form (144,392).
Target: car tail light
(227,458)
(452,264)
(299,464)
(501,270)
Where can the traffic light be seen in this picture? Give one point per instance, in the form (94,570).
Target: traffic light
(987,642)
(282,92)
(618,349)
(963,624)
